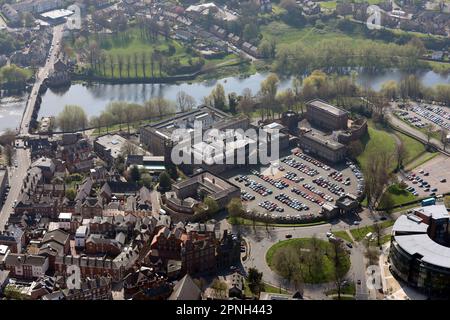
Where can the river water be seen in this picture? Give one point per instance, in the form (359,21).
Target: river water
(95,97)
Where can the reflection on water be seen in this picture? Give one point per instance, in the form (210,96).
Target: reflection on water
(95,97)
(11,110)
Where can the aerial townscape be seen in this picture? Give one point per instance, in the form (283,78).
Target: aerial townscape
(233,150)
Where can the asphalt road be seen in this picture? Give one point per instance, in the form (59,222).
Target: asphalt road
(40,77)
(16,178)
(261,239)
(17,174)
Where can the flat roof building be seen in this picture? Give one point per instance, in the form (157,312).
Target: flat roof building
(322,146)
(326,116)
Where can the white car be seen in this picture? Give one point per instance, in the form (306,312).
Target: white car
(329,234)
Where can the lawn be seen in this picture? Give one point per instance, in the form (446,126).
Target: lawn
(320,273)
(380,141)
(285,34)
(414,148)
(359,233)
(130,44)
(328,5)
(397,195)
(349,289)
(343,235)
(267,288)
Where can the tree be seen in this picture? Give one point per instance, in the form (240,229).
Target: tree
(246,102)
(401,153)
(185,102)
(107,119)
(218,98)
(232,102)
(72,118)
(235,208)
(254,280)
(377,175)
(378,232)
(8,137)
(372,254)
(445,137)
(429,132)
(71,194)
(220,288)
(8,152)
(340,267)
(135,174)
(165,183)
(213,206)
(286,262)
(389,89)
(269,88)
(146,180)
(129,148)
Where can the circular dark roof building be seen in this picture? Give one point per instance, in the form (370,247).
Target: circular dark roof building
(420,252)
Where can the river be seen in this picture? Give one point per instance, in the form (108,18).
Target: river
(95,97)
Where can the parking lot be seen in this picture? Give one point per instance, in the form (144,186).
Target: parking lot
(430,179)
(419,115)
(296,186)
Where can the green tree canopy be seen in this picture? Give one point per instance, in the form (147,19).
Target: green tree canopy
(72,118)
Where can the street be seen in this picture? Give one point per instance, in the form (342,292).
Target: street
(42,74)
(261,239)
(22,155)
(16,178)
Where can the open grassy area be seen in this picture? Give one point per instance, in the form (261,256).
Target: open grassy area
(343,235)
(359,233)
(285,34)
(129,44)
(322,272)
(397,195)
(378,140)
(267,288)
(413,147)
(349,289)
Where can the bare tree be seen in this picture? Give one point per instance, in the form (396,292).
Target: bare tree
(135,62)
(378,232)
(144,64)
(111,64)
(445,137)
(401,153)
(120,62)
(340,267)
(128,65)
(185,102)
(429,132)
(377,175)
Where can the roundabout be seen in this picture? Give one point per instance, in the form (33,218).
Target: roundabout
(308,260)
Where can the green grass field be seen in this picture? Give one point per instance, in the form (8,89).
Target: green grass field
(321,275)
(359,233)
(378,141)
(343,235)
(130,44)
(285,34)
(398,196)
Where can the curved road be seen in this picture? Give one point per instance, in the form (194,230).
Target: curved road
(259,241)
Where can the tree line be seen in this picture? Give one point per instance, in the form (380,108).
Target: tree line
(338,56)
